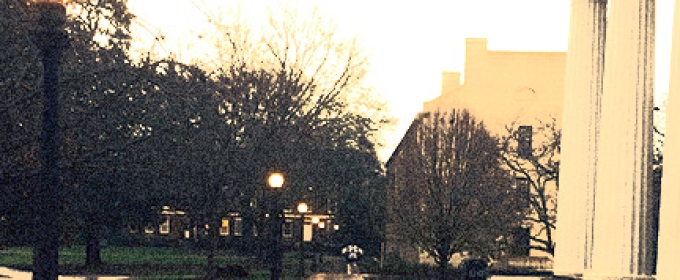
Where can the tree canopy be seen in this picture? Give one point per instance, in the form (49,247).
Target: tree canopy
(143,133)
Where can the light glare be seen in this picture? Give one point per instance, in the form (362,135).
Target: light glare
(276,180)
(302,207)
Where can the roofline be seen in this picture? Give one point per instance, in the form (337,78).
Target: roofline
(411,127)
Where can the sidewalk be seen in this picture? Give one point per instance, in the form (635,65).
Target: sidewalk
(515,277)
(335,268)
(8,273)
(329,276)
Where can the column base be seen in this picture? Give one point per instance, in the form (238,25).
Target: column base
(610,277)
(566,275)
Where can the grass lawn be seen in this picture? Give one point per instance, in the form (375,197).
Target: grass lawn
(143,262)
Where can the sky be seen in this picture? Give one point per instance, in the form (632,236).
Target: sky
(410,42)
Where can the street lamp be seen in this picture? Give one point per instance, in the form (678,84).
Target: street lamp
(50,39)
(275,182)
(318,225)
(302,209)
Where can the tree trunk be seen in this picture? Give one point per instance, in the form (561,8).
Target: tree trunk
(213,235)
(248,246)
(93,249)
(442,261)
(276,268)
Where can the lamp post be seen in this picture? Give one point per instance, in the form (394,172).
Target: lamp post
(315,230)
(50,39)
(302,209)
(275,182)
(317,226)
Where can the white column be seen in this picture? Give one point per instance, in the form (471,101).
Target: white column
(583,91)
(669,220)
(622,239)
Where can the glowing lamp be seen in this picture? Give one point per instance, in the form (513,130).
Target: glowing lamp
(276,180)
(302,207)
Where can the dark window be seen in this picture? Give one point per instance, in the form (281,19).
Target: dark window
(524,139)
(238,226)
(521,241)
(288,229)
(524,190)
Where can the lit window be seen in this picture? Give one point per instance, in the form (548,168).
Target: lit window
(148,230)
(165,227)
(132,228)
(224,229)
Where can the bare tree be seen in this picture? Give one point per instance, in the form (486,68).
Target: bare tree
(319,74)
(536,169)
(453,195)
(293,84)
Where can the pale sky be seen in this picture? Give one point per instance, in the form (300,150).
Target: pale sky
(411,42)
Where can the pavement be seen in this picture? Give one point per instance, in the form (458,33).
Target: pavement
(329,276)
(515,277)
(8,273)
(333,265)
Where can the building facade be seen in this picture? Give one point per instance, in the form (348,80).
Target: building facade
(503,89)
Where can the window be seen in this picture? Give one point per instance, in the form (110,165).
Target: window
(224,229)
(149,229)
(333,207)
(165,227)
(524,138)
(132,228)
(238,226)
(520,242)
(524,190)
(288,229)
